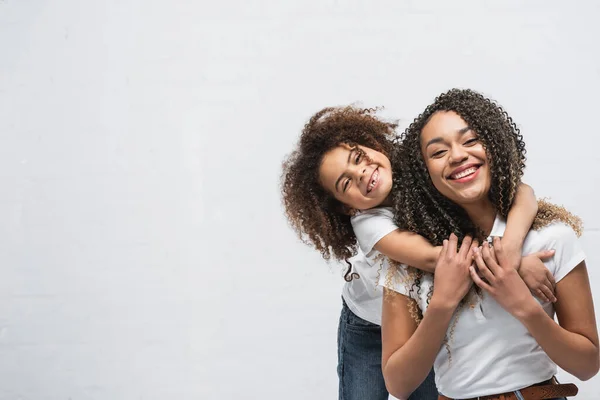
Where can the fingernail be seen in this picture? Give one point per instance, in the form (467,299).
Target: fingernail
(475,249)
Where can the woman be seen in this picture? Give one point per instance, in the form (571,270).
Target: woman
(461,162)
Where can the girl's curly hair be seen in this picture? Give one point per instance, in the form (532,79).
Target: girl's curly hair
(319,219)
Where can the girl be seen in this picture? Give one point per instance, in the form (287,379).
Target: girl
(466,157)
(338,182)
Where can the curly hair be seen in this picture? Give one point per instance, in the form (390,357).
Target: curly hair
(419,207)
(319,219)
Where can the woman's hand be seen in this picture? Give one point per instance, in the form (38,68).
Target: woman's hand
(502,282)
(452,280)
(537,277)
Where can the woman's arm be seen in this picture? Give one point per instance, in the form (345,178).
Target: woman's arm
(572,345)
(408,350)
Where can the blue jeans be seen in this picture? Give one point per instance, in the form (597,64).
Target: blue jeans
(359,362)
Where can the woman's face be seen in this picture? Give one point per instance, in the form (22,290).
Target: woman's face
(455,158)
(359,177)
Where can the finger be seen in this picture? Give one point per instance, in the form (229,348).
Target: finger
(478,281)
(465,246)
(444,248)
(551,279)
(539,293)
(498,251)
(452,243)
(474,245)
(544,255)
(490,262)
(548,293)
(482,267)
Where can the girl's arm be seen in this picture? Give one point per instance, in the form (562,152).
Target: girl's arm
(531,268)
(518,223)
(409,248)
(572,345)
(408,350)
(412,249)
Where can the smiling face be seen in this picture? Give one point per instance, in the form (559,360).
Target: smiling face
(359,177)
(456,159)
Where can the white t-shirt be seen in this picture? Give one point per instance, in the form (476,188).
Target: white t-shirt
(363,295)
(491,351)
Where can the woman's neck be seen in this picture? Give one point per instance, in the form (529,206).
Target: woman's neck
(482,214)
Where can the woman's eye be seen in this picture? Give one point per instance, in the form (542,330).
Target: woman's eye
(471,141)
(438,153)
(346,184)
(358,158)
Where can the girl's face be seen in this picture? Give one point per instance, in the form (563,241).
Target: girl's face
(359,177)
(455,158)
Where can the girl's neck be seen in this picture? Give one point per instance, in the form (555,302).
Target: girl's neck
(482,214)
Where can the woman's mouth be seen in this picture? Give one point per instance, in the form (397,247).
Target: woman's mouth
(374,181)
(465,174)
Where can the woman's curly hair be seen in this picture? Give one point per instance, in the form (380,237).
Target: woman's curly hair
(319,219)
(419,207)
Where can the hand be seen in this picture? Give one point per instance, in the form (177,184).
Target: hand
(503,283)
(537,277)
(452,280)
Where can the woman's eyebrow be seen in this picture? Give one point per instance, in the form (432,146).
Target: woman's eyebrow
(461,131)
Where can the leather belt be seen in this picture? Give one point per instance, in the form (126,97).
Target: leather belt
(544,391)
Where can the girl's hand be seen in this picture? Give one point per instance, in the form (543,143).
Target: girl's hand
(502,282)
(537,277)
(452,280)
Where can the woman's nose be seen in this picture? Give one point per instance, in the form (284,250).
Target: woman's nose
(458,154)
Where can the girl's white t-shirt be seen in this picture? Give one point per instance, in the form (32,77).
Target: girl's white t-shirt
(363,295)
(490,350)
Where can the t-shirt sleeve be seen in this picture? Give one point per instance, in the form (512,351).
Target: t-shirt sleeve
(394,277)
(372,225)
(568,251)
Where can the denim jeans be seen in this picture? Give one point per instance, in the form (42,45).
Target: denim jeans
(359,362)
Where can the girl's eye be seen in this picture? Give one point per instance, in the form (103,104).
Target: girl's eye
(346,184)
(471,141)
(438,153)
(358,158)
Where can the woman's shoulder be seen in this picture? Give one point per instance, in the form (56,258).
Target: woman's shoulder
(555,231)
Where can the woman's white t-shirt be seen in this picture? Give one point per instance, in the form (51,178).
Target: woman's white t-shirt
(491,351)
(363,295)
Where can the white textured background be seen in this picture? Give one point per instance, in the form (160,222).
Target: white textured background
(143,249)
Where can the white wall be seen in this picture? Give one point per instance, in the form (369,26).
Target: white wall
(144,253)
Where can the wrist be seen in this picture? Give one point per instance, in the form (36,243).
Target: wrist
(528,310)
(443,304)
